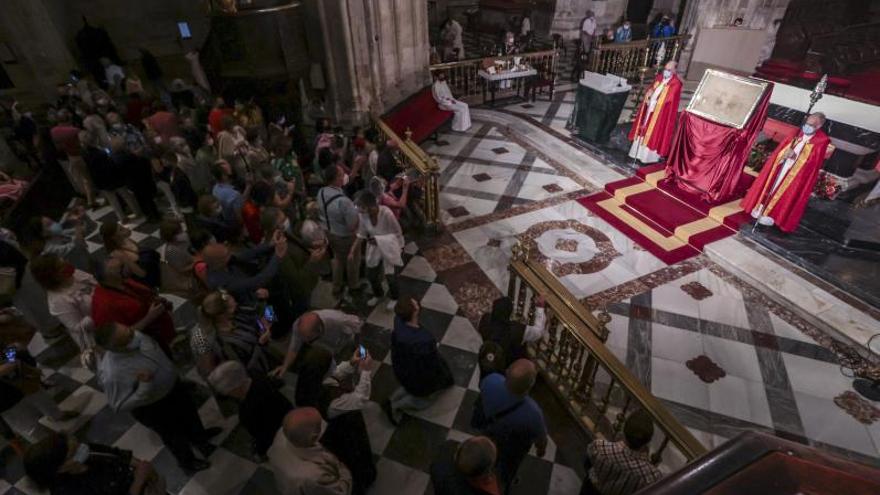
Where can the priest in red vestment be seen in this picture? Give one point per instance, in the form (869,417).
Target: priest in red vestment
(654,125)
(121,299)
(780,194)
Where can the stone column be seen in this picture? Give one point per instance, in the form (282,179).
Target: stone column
(374,53)
(44,60)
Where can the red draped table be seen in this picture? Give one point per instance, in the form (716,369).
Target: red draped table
(707,158)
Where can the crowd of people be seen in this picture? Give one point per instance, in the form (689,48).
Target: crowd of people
(253,212)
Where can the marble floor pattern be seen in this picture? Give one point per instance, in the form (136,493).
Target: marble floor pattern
(719,353)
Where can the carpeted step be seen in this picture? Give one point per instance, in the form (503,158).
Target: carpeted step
(649,169)
(663,210)
(613,187)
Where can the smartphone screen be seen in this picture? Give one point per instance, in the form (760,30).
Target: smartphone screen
(362,351)
(11,353)
(269,313)
(183,28)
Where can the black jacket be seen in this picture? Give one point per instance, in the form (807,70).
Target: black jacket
(417,363)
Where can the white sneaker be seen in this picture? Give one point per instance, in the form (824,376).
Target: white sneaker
(391,304)
(373,301)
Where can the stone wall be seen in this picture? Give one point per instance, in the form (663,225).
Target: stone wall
(756,14)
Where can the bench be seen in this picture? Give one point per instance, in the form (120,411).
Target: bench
(418,113)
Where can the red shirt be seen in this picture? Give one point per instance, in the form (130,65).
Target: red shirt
(129,306)
(165,124)
(250,217)
(215,119)
(66,139)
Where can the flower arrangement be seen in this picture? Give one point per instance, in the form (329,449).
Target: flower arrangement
(826,187)
(759,154)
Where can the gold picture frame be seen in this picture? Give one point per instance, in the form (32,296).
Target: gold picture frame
(727,99)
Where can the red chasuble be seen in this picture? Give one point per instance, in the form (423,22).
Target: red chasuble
(659,127)
(787,203)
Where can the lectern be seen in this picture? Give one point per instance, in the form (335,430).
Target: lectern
(600,99)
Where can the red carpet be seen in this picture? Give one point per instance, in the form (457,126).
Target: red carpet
(669,223)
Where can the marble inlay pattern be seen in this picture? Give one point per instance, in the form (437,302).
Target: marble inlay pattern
(518,210)
(696,290)
(482,177)
(753,296)
(458,211)
(644,283)
(605,251)
(569,245)
(857,407)
(493,243)
(445,256)
(706,369)
(500,150)
(552,188)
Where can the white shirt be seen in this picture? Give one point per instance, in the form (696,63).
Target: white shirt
(386,236)
(589,26)
(353,400)
(73,307)
(526,26)
(307,471)
(786,166)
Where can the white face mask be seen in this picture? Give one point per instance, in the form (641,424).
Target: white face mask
(82,453)
(135,343)
(323,429)
(345,180)
(286,225)
(667,74)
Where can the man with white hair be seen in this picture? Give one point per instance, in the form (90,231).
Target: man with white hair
(780,194)
(261,407)
(302,466)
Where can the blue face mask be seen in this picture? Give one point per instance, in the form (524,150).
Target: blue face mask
(808,129)
(667,74)
(56,229)
(135,343)
(82,453)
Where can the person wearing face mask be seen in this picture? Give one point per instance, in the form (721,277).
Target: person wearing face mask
(119,298)
(654,125)
(340,216)
(138,377)
(62,465)
(624,33)
(300,463)
(780,194)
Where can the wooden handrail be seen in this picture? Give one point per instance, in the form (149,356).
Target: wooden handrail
(412,155)
(632,58)
(465,82)
(580,343)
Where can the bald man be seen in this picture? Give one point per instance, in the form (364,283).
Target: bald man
(511,418)
(468,469)
(225,270)
(302,466)
(328,328)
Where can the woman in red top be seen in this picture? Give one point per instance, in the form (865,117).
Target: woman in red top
(120,299)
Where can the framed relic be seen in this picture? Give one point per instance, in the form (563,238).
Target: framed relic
(727,99)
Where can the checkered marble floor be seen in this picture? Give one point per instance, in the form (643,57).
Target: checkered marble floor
(403,454)
(719,353)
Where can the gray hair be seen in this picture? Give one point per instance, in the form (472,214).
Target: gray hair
(227,377)
(820,115)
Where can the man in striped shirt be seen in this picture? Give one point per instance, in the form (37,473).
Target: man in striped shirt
(622,468)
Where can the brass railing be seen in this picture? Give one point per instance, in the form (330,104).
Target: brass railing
(594,385)
(625,59)
(410,156)
(465,82)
